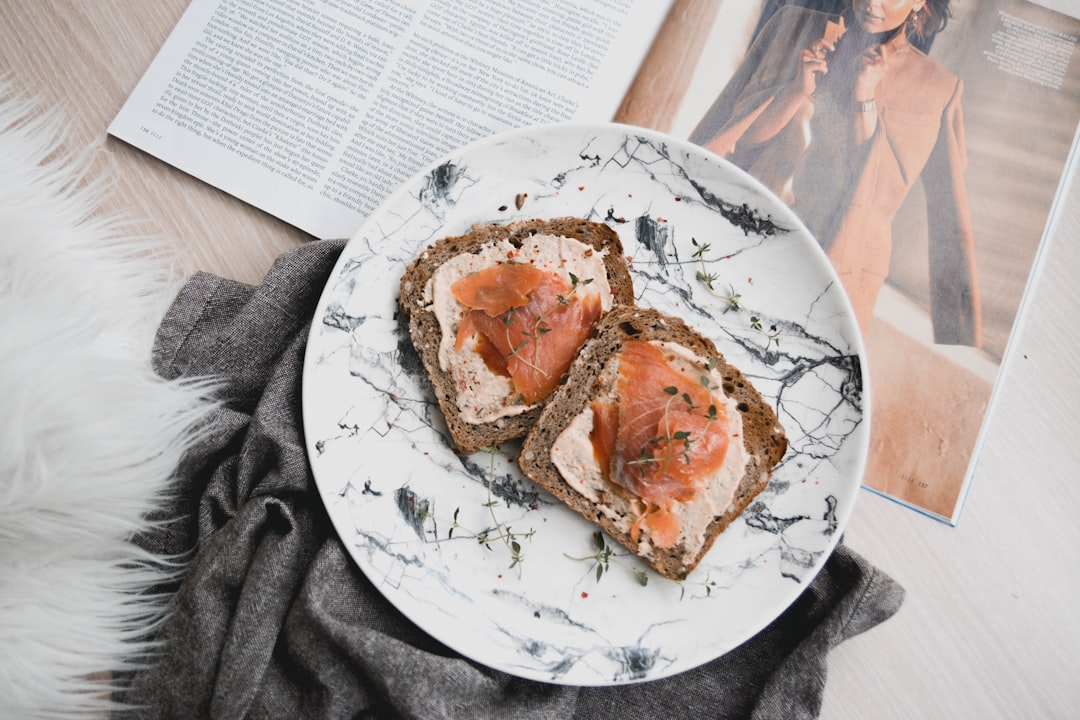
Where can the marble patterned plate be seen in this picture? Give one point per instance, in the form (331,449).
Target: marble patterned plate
(436,532)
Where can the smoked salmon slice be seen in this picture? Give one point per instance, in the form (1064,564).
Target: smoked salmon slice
(663,525)
(530,323)
(605,431)
(661,438)
(498,288)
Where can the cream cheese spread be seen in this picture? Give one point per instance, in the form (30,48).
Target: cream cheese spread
(572,453)
(483,396)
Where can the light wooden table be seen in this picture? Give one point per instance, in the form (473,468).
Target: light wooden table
(989,627)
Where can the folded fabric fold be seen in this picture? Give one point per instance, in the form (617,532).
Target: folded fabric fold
(273,619)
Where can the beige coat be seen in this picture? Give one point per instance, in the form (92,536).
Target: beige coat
(848,195)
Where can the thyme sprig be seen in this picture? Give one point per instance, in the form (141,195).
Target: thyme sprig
(604,556)
(678,443)
(670,439)
(539,328)
(732,298)
(708,584)
(497,532)
(771,335)
(709,279)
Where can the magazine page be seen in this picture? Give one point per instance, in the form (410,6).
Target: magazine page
(314,111)
(926,157)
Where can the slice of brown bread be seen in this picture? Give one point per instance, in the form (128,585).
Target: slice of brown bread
(763,436)
(425,331)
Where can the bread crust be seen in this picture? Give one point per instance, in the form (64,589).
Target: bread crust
(763,436)
(425,331)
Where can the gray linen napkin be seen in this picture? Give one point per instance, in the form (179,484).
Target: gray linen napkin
(272,619)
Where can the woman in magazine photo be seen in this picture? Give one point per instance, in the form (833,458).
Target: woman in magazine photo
(841,115)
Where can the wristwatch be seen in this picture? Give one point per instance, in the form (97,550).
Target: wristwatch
(865,105)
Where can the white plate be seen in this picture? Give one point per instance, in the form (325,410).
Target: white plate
(393,486)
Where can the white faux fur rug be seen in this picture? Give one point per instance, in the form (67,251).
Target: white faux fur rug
(90,436)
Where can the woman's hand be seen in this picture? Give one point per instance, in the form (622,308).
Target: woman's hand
(871,70)
(814,60)
(764,123)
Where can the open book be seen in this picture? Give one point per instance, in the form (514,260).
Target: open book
(315,111)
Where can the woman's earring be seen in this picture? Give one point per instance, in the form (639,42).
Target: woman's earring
(916,21)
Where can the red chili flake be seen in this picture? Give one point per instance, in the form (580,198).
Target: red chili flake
(502,208)
(500,576)
(584,595)
(661,219)
(750,280)
(580,187)
(678,198)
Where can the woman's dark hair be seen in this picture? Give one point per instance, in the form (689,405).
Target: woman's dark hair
(931,20)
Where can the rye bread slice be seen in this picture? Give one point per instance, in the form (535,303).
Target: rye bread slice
(425,331)
(763,435)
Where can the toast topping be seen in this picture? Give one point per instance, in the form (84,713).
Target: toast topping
(527,331)
(513,319)
(661,446)
(670,434)
(498,288)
